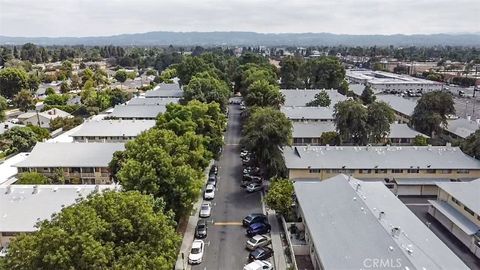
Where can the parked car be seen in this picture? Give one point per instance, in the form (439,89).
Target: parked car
(212,180)
(258,241)
(205,210)
(201,229)
(196,253)
(244,153)
(209,193)
(258,265)
(254,187)
(251,170)
(254,218)
(258,228)
(261,253)
(213,170)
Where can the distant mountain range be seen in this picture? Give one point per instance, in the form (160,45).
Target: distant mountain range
(252,39)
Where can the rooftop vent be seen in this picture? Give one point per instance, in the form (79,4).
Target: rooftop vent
(9,190)
(35,189)
(381,215)
(396,232)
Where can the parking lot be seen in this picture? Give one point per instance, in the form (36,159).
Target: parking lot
(419,206)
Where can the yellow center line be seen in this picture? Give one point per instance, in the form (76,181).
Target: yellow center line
(227,223)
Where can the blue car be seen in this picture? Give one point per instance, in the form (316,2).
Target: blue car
(258,228)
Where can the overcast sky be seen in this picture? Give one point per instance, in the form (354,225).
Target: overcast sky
(109,17)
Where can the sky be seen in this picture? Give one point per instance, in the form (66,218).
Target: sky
(54,18)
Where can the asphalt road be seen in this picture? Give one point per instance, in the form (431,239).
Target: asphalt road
(225,242)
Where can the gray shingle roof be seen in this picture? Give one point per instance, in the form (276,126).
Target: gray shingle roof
(300,97)
(21,208)
(308,113)
(152,101)
(372,157)
(71,155)
(462,127)
(106,128)
(168,86)
(468,193)
(147,111)
(398,103)
(346,231)
(165,90)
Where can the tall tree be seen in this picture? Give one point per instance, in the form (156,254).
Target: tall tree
(263,94)
(265,133)
(430,114)
(3,108)
(323,72)
(380,116)
(322,99)
(471,145)
(207,87)
(12,80)
(19,139)
(351,121)
(280,196)
(367,95)
(290,72)
(24,100)
(109,230)
(121,75)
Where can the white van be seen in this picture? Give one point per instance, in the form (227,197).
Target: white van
(258,265)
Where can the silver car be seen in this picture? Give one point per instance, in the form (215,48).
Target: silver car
(258,241)
(205,210)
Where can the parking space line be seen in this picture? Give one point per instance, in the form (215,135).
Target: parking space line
(227,223)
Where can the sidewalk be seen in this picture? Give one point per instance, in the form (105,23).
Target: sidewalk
(278,252)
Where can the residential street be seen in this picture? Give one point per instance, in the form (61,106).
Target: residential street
(225,243)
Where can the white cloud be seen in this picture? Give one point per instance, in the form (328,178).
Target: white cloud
(106,17)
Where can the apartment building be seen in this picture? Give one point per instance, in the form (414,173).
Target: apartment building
(311,114)
(407,170)
(145,112)
(300,97)
(461,128)
(111,130)
(458,209)
(346,223)
(403,107)
(165,90)
(77,163)
(139,101)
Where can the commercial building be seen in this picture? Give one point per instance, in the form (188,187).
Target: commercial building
(111,130)
(296,114)
(309,133)
(351,224)
(385,81)
(77,163)
(145,112)
(165,90)
(458,209)
(407,170)
(23,206)
(42,119)
(151,101)
(300,97)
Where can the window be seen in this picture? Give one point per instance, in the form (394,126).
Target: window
(397,171)
(444,171)
(364,171)
(314,171)
(463,171)
(413,171)
(469,211)
(431,171)
(380,171)
(8,234)
(456,201)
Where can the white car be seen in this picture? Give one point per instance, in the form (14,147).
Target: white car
(258,265)
(209,192)
(253,187)
(196,253)
(205,210)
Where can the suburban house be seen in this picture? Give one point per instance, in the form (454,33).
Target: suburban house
(145,112)
(165,90)
(42,119)
(403,107)
(458,209)
(300,97)
(296,114)
(111,130)
(461,128)
(152,101)
(386,81)
(23,206)
(345,223)
(407,170)
(309,133)
(5,126)
(77,163)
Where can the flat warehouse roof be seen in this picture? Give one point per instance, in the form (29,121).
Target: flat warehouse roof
(67,155)
(378,157)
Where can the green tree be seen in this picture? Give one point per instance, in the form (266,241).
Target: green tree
(33,82)
(121,75)
(420,140)
(32,178)
(351,121)
(367,95)
(12,80)
(263,94)
(290,72)
(380,116)
(280,196)
(64,87)
(66,123)
(206,87)
(323,72)
(56,99)
(3,108)
(49,91)
(265,133)
(109,230)
(42,133)
(118,96)
(430,114)
(189,67)
(330,138)
(20,139)
(24,100)
(168,166)
(471,145)
(255,73)
(322,99)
